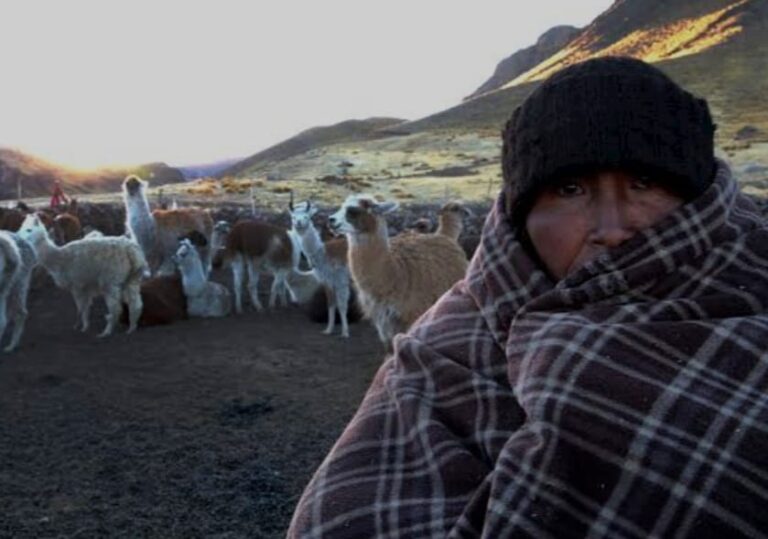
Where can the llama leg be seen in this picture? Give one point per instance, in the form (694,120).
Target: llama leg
(253,285)
(342,304)
(83,302)
(283,291)
(330,300)
(3,314)
(288,297)
(114,304)
(132,297)
(292,297)
(237,282)
(274,290)
(19,306)
(206,255)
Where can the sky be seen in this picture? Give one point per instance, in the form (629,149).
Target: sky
(105,82)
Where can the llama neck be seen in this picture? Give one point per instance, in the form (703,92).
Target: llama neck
(192,275)
(371,263)
(48,253)
(313,247)
(450,226)
(138,209)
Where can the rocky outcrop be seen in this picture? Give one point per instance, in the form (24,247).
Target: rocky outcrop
(518,63)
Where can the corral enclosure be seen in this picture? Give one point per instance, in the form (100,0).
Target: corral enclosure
(204,428)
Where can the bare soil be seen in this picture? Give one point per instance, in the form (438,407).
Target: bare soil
(206,428)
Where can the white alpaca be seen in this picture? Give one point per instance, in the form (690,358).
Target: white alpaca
(204,298)
(329,261)
(397,279)
(139,223)
(158,231)
(17,260)
(111,267)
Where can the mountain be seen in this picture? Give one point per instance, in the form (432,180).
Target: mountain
(36,176)
(523,60)
(193,172)
(717,49)
(313,139)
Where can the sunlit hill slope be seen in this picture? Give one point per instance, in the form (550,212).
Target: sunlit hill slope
(718,49)
(35,177)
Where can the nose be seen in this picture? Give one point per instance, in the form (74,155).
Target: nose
(611,224)
(332,221)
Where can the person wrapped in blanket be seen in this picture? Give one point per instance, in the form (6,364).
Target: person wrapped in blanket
(602,369)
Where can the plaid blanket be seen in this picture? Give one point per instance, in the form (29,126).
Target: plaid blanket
(628,400)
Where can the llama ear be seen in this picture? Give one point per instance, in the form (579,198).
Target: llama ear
(385,207)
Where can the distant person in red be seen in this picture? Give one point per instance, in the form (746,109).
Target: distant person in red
(58,198)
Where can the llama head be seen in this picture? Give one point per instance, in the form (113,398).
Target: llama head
(220,232)
(456,209)
(301,216)
(185,252)
(133,186)
(360,214)
(32,229)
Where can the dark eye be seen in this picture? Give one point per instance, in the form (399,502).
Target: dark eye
(569,188)
(353,211)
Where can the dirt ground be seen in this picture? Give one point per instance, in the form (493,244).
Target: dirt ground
(207,428)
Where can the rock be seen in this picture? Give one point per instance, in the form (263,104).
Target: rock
(748,132)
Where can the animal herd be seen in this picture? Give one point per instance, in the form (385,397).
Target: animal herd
(159,270)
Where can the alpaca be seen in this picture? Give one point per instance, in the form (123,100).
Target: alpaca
(66,228)
(111,267)
(204,298)
(257,247)
(451,220)
(17,260)
(329,261)
(397,279)
(139,222)
(158,232)
(163,301)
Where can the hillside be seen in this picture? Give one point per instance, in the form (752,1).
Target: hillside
(265,161)
(192,172)
(523,60)
(36,176)
(715,48)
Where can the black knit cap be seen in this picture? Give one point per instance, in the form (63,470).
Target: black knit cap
(609,112)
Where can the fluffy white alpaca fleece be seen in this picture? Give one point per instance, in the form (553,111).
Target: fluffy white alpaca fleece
(204,298)
(110,267)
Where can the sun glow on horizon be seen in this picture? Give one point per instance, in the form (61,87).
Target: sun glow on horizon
(89,84)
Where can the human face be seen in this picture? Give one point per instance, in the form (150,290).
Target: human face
(581,217)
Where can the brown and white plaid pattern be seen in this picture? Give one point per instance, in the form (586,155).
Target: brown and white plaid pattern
(628,400)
